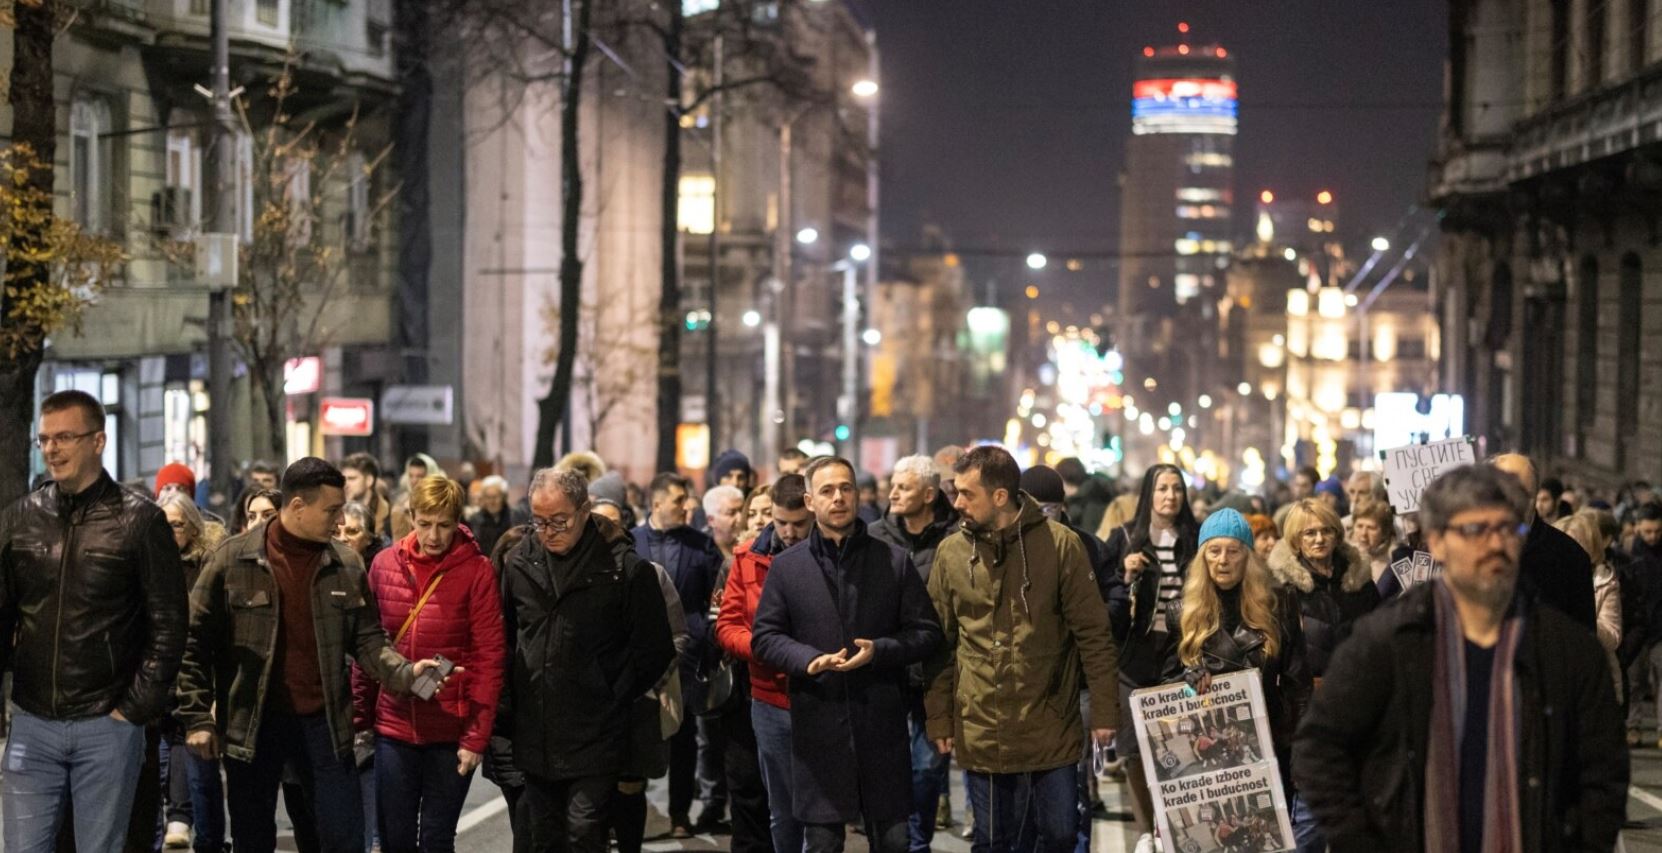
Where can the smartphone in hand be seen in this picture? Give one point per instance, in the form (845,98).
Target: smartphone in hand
(428,682)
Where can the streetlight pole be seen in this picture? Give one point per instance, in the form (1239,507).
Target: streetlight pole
(848,403)
(712,394)
(225,226)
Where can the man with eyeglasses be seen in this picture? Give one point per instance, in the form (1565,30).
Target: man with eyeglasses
(92,621)
(1465,716)
(588,634)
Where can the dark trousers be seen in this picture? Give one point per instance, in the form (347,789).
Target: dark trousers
(207,803)
(683,772)
(564,816)
(748,795)
(712,771)
(419,795)
(884,837)
(329,782)
(1036,811)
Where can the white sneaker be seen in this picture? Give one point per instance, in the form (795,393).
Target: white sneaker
(177,837)
(1145,843)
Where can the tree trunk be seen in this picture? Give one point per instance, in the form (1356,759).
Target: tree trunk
(33,124)
(551,409)
(268,384)
(669,291)
(413,28)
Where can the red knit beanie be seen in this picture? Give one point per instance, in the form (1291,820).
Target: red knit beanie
(176,474)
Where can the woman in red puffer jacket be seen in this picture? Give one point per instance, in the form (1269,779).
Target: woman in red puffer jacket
(426,749)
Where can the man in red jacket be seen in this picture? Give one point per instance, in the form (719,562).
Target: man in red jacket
(770,702)
(438,596)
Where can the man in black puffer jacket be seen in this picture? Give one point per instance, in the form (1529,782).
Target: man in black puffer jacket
(94,593)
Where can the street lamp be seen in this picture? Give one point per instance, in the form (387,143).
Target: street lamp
(860,253)
(808,236)
(871,337)
(864,88)
(752,318)
(1380,244)
(1037,261)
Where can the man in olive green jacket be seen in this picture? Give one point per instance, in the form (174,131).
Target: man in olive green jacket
(274,616)
(1022,618)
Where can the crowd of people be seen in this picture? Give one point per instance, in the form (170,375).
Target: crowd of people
(806,655)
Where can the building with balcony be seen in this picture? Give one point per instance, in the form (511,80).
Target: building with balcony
(1548,175)
(131,166)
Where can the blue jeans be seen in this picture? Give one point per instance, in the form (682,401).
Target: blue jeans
(93,762)
(773,753)
(1307,834)
(207,803)
(1036,811)
(928,765)
(366,784)
(329,779)
(419,795)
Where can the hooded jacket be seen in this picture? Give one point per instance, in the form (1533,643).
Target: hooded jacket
(1329,607)
(1022,619)
(462,620)
(751,561)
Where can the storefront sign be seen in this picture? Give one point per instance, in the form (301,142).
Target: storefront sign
(352,416)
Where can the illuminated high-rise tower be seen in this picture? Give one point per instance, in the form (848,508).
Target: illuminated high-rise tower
(1176,207)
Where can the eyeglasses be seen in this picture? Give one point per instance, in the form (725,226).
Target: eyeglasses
(558,524)
(63,439)
(1477,531)
(1313,533)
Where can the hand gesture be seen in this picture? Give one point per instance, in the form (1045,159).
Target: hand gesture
(827,661)
(861,657)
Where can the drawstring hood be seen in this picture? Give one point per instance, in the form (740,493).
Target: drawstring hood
(999,542)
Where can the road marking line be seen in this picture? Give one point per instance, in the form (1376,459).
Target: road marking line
(480,814)
(1645,797)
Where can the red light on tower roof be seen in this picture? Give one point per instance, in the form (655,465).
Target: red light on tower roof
(1148,51)
(1182,26)
(1266,197)
(1183,49)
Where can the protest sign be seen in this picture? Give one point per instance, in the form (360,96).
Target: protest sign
(1211,766)
(1409,469)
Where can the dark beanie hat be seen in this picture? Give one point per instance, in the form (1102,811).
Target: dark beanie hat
(1044,484)
(728,462)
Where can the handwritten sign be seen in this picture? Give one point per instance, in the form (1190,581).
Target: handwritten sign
(1409,469)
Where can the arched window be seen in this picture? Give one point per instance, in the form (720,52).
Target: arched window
(1586,351)
(1628,341)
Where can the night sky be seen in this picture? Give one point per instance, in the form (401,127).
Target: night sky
(1007,128)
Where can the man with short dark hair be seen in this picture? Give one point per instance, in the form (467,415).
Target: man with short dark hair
(274,615)
(1087,495)
(1023,619)
(1466,717)
(363,479)
(588,635)
(769,709)
(791,461)
(1549,500)
(693,562)
(842,615)
(92,623)
(263,475)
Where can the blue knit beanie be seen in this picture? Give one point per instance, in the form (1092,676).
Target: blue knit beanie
(1226,522)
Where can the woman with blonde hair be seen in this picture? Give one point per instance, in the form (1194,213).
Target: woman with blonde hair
(1231,618)
(1585,529)
(1333,586)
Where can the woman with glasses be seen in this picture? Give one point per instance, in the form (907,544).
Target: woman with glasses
(1334,587)
(1230,618)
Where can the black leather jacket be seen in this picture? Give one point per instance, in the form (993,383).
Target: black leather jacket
(95,591)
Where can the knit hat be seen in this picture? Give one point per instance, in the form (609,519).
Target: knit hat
(1228,523)
(728,462)
(1044,484)
(176,474)
(1331,487)
(609,488)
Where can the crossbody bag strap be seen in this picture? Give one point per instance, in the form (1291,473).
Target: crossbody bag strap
(409,621)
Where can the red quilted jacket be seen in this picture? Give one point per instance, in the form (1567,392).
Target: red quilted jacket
(738,612)
(462,621)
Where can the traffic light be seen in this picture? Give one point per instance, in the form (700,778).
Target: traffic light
(842,432)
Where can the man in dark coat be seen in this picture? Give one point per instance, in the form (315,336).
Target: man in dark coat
(587,635)
(1387,760)
(843,615)
(693,562)
(1553,566)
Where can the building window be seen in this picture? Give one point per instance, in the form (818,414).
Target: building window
(697,207)
(1587,351)
(184,177)
(265,11)
(1627,348)
(357,202)
(89,163)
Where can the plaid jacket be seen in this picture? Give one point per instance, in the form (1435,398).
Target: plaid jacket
(226,673)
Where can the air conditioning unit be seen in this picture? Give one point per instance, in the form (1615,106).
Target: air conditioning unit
(170,209)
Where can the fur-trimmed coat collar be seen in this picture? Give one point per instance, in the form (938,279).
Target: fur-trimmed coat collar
(1286,569)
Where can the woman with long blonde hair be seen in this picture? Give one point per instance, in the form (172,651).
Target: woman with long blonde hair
(1230,618)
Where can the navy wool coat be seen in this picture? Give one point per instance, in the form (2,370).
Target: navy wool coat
(850,752)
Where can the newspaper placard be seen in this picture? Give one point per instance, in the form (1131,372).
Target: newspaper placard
(1409,469)
(1416,568)
(1211,766)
